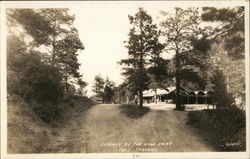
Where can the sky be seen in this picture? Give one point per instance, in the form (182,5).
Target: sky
(103,28)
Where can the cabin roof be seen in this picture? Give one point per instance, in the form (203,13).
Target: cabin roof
(160,91)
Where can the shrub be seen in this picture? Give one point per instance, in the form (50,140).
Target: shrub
(222,97)
(47,112)
(225,127)
(37,82)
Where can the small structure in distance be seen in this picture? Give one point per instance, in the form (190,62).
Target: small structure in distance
(160,95)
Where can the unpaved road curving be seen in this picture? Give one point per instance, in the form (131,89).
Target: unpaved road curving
(104,129)
(158,131)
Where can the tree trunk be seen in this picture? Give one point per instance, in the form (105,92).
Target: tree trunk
(141,98)
(136,99)
(66,81)
(53,49)
(53,45)
(177,77)
(127,99)
(127,96)
(155,95)
(178,104)
(141,68)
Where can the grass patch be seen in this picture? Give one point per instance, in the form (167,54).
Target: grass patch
(224,129)
(68,110)
(133,111)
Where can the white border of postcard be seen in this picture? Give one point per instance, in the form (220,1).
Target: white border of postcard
(67,4)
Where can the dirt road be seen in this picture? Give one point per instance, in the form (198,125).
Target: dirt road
(104,129)
(107,130)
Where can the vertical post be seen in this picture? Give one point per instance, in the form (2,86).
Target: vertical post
(127,96)
(213,101)
(196,98)
(155,95)
(136,99)
(206,101)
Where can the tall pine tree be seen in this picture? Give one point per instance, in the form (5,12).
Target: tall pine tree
(98,87)
(143,40)
(184,37)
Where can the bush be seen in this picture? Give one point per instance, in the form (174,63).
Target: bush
(83,100)
(222,97)
(47,112)
(224,127)
(48,91)
(33,79)
(37,82)
(61,112)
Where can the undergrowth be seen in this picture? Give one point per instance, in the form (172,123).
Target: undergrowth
(225,129)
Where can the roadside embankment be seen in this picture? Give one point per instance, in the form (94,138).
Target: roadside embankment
(28,133)
(224,129)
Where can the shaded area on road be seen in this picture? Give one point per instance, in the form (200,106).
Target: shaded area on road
(133,111)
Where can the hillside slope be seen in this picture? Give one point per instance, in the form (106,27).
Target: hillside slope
(27,133)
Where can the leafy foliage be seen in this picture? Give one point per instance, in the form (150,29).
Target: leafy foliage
(224,128)
(158,69)
(29,76)
(36,75)
(228,52)
(222,97)
(53,29)
(184,37)
(231,27)
(33,23)
(98,86)
(232,70)
(109,91)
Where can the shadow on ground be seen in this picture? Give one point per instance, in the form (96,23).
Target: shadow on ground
(133,111)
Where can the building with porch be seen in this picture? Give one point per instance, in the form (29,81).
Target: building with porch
(160,95)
